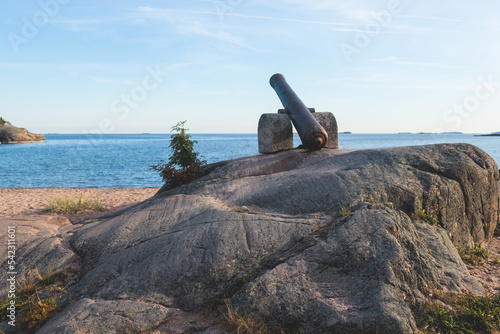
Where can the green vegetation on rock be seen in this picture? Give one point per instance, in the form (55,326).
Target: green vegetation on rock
(36,302)
(476,255)
(184,164)
(428,218)
(468,314)
(344,211)
(2,121)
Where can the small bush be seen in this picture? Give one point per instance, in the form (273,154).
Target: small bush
(428,218)
(176,177)
(344,211)
(73,205)
(470,314)
(37,310)
(184,164)
(2,121)
(36,303)
(475,255)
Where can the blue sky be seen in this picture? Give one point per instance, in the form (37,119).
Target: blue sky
(74,66)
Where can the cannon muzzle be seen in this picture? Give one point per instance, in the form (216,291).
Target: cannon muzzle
(312,134)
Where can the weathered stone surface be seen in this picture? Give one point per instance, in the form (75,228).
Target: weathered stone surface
(275,133)
(455,182)
(117,316)
(180,250)
(438,243)
(10,134)
(329,123)
(364,275)
(40,247)
(270,220)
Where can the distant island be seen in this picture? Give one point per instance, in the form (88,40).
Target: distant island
(431,133)
(10,134)
(345,133)
(494,134)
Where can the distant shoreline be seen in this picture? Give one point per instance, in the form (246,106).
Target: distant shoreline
(123,161)
(255,133)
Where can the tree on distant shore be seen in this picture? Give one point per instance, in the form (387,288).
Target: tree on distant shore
(184,165)
(2,121)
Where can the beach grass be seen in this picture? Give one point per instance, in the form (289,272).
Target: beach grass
(245,323)
(70,205)
(469,314)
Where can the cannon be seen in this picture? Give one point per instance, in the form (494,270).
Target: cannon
(316,130)
(312,134)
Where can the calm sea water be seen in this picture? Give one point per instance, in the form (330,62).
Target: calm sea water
(122,161)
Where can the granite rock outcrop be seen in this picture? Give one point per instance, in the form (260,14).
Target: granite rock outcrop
(265,232)
(10,134)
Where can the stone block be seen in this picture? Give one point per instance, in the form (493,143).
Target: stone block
(275,133)
(328,122)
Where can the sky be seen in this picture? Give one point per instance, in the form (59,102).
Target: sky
(74,66)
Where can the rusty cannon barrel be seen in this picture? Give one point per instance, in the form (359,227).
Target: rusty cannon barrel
(312,134)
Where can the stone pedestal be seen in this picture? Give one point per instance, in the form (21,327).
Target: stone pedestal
(328,122)
(275,133)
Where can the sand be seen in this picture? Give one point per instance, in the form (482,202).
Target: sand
(489,273)
(28,201)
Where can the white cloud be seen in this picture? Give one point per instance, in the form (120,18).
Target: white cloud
(115,81)
(409,86)
(388,59)
(446,19)
(236,67)
(213,93)
(168,14)
(360,10)
(417,63)
(197,29)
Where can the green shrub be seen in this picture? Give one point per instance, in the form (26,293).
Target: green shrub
(2,121)
(36,303)
(470,314)
(474,255)
(184,164)
(344,211)
(427,217)
(69,205)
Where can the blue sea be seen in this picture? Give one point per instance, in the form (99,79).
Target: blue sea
(123,160)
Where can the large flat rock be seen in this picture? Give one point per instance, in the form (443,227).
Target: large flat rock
(263,231)
(457,183)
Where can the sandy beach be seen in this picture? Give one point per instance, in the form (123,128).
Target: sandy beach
(29,201)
